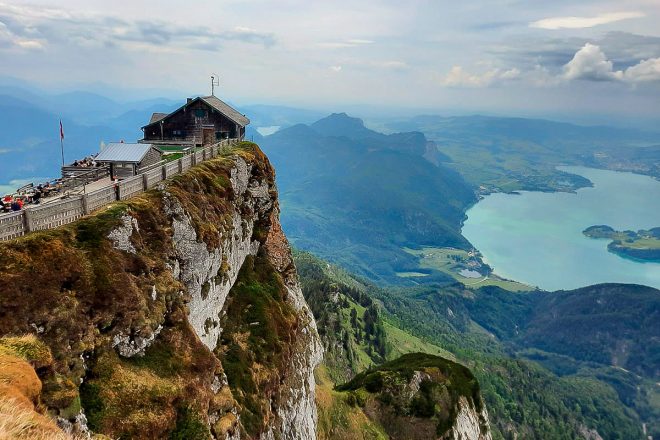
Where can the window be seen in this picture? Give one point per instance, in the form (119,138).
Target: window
(200,113)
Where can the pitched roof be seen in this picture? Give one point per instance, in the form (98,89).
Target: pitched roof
(122,152)
(213,102)
(157,117)
(226,110)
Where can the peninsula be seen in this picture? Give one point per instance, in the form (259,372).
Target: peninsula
(640,245)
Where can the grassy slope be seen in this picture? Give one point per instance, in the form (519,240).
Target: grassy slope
(337,419)
(79,291)
(522,319)
(522,396)
(333,294)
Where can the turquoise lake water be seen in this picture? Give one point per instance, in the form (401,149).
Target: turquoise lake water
(536,238)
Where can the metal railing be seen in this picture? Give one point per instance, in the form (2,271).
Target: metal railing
(62,212)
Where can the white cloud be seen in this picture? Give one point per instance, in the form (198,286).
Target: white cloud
(30,27)
(584,22)
(458,77)
(591,63)
(335,68)
(9,39)
(354,42)
(646,70)
(359,41)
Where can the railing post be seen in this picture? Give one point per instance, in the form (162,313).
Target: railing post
(27,220)
(145,182)
(84,204)
(180,165)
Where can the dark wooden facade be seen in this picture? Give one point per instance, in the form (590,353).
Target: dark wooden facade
(202,121)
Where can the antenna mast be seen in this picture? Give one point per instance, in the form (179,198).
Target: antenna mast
(215,81)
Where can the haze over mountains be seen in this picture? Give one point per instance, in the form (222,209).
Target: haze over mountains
(355,196)
(373,202)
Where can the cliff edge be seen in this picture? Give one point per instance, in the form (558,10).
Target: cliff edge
(176,314)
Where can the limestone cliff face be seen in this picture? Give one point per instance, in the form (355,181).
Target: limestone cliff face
(470,423)
(175,314)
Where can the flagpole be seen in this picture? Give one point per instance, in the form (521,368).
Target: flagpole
(62,141)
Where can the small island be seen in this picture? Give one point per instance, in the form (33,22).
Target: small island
(641,245)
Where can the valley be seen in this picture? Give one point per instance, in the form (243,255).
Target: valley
(390,267)
(531,383)
(339,220)
(496,326)
(514,154)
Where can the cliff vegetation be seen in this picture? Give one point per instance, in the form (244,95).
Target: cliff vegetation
(111,306)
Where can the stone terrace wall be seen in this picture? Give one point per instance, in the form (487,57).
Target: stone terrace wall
(57,213)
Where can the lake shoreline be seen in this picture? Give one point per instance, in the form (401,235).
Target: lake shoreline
(550,224)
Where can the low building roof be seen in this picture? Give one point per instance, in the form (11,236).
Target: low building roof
(122,152)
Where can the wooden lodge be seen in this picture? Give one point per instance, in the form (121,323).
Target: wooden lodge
(201,121)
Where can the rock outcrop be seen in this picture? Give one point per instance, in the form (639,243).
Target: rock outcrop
(177,313)
(421,396)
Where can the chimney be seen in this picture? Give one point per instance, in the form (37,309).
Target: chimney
(189,100)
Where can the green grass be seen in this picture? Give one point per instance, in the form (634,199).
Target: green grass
(172,157)
(451,261)
(402,342)
(189,426)
(411,274)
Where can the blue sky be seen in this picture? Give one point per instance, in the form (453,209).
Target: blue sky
(501,56)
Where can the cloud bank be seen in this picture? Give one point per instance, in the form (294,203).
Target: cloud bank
(32,27)
(584,22)
(589,63)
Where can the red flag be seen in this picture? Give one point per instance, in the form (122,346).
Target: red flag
(61,131)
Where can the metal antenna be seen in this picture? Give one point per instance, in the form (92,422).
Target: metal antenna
(215,81)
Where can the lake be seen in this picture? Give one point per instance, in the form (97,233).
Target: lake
(536,237)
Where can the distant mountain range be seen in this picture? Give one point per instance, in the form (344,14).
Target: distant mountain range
(29,129)
(509,154)
(356,196)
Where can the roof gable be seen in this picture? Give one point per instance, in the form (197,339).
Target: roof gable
(123,152)
(226,110)
(213,102)
(157,117)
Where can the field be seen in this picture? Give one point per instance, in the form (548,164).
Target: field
(451,261)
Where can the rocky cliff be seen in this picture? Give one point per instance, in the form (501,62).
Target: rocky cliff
(420,396)
(176,314)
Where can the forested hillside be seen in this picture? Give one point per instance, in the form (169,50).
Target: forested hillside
(357,197)
(534,387)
